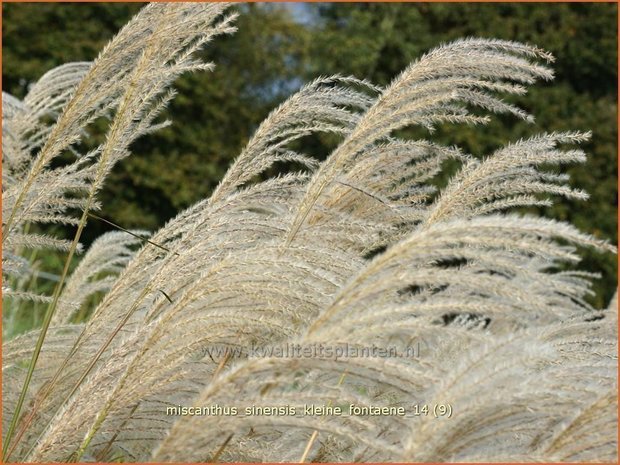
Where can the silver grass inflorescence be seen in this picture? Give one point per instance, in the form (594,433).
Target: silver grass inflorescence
(360,250)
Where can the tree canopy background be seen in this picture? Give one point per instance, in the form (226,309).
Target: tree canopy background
(277,48)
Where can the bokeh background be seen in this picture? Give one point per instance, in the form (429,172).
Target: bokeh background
(278,47)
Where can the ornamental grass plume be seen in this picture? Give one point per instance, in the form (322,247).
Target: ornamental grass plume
(360,249)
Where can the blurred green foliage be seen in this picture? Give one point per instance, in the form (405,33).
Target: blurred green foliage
(277,48)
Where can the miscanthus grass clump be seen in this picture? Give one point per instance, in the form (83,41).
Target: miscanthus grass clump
(359,250)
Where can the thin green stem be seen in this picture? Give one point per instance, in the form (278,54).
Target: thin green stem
(143,239)
(96,357)
(46,323)
(57,291)
(123,115)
